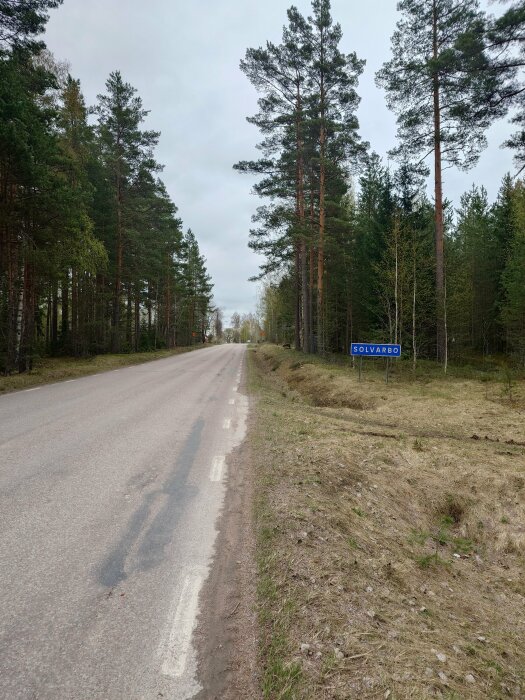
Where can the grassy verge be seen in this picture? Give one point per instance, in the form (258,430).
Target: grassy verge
(391,536)
(56,369)
(281,675)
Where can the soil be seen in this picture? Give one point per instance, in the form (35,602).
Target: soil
(226,635)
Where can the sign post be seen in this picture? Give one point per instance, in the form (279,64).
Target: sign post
(386,350)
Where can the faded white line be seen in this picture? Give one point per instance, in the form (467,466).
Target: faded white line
(217,468)
(36,388)
(232,402)
(226,423)
(68,381)
(182,620)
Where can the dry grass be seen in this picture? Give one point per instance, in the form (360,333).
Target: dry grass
(56,369)
(392,537)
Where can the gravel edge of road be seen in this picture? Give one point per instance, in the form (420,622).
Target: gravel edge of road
(227,632)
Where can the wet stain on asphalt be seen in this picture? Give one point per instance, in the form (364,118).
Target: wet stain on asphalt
(177,493)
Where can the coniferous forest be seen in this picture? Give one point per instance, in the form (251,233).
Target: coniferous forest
(356,250)
(93,257)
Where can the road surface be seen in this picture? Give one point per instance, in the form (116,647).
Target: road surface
(110,490)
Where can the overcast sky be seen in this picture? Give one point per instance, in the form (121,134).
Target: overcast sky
(183,58)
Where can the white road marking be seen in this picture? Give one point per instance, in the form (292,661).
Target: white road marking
(226,423)
(232,402)
(36,388)
(182,620)
(69,380)
(217,468)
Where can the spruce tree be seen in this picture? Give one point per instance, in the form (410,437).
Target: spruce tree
(513,307)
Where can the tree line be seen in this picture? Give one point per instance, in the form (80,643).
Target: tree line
(93,257)
(356,250)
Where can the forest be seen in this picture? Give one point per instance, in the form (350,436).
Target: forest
(355,249)
(93,257)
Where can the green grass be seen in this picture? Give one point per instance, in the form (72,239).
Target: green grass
(419,537)
(429,561)
(57,369)
(461,545)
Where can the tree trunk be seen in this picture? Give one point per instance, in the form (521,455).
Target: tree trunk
(137,321)
(300,215)
(100,319)
(441,340)
(13,305)
(414,281)
(27,320)
(311,282)
(65,307)
(297,276)
(129,317)
(74,311)
(54,315)
(320,248)
(167,302)
(115,335)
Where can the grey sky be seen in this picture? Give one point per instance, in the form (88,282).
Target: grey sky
(183,58)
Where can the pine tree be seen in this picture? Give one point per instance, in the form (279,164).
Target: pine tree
(81,254)
(22,20)
(307,113)
(280,74)
(30,187)
(125,150)
(505,43)
(438,88)
(333,79)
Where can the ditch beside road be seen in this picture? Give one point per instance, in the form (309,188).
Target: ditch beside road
(390,532)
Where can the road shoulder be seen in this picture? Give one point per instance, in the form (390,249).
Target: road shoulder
(226,635)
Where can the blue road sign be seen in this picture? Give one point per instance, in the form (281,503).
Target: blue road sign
(375,350)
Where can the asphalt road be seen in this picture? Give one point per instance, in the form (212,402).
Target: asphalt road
(110,489)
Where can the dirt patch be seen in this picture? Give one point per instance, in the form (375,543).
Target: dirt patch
(394,543)
(226,636)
